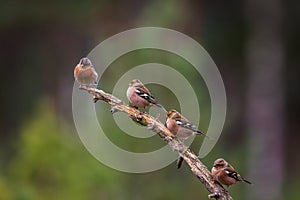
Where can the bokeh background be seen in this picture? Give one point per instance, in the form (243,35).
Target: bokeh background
(254,43)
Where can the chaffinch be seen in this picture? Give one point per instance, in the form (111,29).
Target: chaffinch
(180,126)
(85,73)
(225,174)
(139,96)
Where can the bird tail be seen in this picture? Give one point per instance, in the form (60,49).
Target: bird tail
(240,178)
(160,107)
(244,180)
(198,132)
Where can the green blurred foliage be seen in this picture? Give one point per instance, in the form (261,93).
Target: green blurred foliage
(170,12)
(50,163)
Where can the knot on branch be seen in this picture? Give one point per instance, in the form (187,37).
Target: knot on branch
(113,110)
(151,126)
(214,195)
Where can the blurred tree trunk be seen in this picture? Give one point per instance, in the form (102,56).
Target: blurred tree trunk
(264,112)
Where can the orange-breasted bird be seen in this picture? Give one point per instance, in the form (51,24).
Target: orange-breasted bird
(225,174)
(140,97)
(180,126)
(85,73)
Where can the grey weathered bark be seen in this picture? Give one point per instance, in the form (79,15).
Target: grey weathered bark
(264,106)
(197,167)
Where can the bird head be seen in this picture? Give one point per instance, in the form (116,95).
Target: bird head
(135,82)
(173,114)
(220,163)
(85,62)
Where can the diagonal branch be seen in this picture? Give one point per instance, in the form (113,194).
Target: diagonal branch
(197,167)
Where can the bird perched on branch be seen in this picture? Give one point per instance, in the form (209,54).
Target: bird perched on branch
(180,126)
(140,97)
(225,174)
(85,73)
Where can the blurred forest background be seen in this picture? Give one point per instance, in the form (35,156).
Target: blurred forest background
(254,43)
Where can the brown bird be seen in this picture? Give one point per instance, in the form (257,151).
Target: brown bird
(225,174)
(140,97)
(180,126)
(85,73)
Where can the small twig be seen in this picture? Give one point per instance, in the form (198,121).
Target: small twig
(197,167)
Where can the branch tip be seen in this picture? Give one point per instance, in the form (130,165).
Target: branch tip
(113,110)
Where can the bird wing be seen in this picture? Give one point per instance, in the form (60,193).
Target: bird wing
(235,175)
(186,124)
(144,93)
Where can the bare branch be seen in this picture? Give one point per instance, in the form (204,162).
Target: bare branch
(197,167)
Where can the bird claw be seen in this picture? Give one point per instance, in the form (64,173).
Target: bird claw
(168,138)
(83,87)
(143,112)
(130,105)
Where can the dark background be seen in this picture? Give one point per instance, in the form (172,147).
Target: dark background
(255,45)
